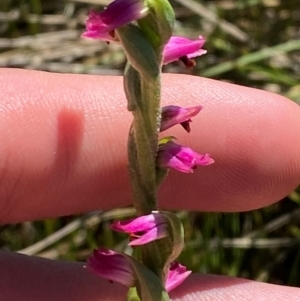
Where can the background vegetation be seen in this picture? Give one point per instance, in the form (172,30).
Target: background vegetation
(250,42)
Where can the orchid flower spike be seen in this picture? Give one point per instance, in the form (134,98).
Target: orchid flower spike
(182,158)
(183,49)
(101,25)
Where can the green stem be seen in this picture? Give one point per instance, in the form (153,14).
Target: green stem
(143,95)
(143,138)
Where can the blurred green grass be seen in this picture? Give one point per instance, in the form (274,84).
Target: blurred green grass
(249,42)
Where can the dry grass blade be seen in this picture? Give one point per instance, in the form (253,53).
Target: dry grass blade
(42,19)
(207,14)
(276,223)
(259,243)
(84,222)
(97,2)
(40,40)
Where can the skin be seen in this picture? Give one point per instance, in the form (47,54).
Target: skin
(63,151)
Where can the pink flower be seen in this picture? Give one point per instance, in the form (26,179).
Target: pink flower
(112,266)
(172,115)
(143,229)
(176,275)
(180,48)
(182,158)
(101,25)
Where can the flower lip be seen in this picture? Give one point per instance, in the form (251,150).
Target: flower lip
(101,25)
(184,49)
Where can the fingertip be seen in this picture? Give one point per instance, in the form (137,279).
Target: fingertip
(212,287)
(252,135)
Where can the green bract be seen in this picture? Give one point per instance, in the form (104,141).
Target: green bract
(138,51)
(158,24)
(149,287)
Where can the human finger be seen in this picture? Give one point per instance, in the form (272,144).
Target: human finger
(63,145)
(32,278)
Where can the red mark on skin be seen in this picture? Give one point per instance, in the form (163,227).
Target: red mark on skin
(70,128)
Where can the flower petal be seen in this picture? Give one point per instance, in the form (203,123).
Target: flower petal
(154,234)
(143,229)
(141,223)
(172,115)
(182,158)
(176,275)
(112,266)
(179,47)
(101,25)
